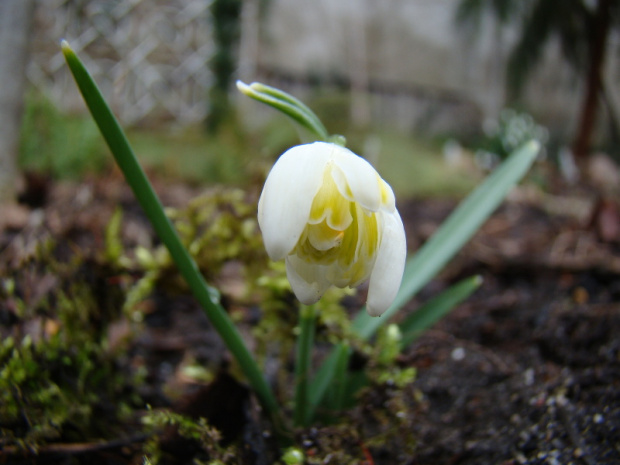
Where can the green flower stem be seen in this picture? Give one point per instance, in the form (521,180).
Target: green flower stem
(305,342)
(128,163)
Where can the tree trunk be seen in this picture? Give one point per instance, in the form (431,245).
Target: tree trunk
(15,29)
(597,45)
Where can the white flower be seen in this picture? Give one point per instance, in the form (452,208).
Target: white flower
(329,214)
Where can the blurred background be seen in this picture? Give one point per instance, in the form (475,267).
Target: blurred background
(95,322)
(430,91)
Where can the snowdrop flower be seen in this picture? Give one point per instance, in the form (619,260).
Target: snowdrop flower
(331,217)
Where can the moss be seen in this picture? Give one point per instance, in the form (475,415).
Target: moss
(58,379)
(198,431)
(62,379)
(52,390)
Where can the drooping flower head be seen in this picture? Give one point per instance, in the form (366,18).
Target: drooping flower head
(331,217)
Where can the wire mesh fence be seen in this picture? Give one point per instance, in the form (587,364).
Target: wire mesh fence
(149,57)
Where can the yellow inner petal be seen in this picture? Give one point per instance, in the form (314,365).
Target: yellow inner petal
(330,205)
(340,233)
(385,191)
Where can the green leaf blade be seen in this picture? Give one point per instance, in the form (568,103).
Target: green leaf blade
(435,309)
(150,203)
(454,233)
(322,380)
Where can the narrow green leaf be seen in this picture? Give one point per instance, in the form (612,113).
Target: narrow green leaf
(454,233)
(435,309)
(341,380)
(451,236)
(324,375)
(150,203)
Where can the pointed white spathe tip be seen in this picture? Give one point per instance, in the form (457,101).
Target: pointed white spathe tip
(251,90)
(243,87)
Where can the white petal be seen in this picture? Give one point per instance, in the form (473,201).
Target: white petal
(307,279)
(387,273)
(284,204)
(360,178)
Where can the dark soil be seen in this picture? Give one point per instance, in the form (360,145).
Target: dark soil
(527,371)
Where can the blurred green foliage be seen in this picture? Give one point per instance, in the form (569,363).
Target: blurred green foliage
(509,132)
(416,168)
(69,146)
(64,146)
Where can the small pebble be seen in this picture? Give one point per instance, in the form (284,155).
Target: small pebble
(458,354)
